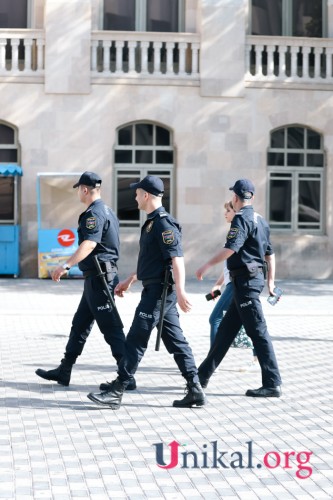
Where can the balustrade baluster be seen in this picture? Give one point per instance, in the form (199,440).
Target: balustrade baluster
(119,56)
(248,50)
(15,42)
(270,60)
(157,57)
(131,56)
(94,48)
(282,49)
(3,43)
(169,63)
(182,46)
(258,67)
(144,57)
(317,67)
(293,62)
(329,52)
(27,54)
(306,51)
(106,55)
(40,54)
(195,58)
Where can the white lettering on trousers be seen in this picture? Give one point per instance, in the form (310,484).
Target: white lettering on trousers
(245,304)
(145,315)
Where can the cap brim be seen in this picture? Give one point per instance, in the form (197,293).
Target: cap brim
(76,185)
(231,188)
(135,185)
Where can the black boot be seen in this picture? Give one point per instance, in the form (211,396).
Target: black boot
(105,386)
(194,397)
(62,374)
(112,397)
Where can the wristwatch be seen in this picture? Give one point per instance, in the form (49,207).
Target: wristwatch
(66,267)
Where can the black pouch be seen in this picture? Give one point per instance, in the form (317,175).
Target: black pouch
(252,268)
(109,271)
(265,269)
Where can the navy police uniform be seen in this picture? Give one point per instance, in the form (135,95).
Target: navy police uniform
(249,238)
(160,241)
(98,223)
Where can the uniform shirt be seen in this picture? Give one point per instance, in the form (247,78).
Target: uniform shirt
(160,240)
(100,224)
(249,238)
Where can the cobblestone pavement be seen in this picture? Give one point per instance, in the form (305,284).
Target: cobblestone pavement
(56,444)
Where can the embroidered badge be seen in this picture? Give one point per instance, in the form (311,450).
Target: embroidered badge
(168,237)
(232,233)
(150,225)
(91,223)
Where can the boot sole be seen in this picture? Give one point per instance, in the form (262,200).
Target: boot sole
(196,404)
(112,406)
(41,375)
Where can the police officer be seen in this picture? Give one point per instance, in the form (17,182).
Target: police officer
(160,246)
(98,234)
(247,248)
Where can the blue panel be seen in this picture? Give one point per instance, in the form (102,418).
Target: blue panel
(7,170)
(9,250)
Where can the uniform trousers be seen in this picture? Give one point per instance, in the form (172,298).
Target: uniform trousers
(245,309)
(147,316)
(94,305)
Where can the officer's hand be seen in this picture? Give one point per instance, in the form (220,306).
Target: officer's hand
(123,286)
(57,273)
(183,301)
(200,272)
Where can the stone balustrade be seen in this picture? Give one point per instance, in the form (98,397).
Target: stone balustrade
(21,52)
(145,55)
(289,60)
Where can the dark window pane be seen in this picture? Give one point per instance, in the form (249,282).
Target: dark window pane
(119,15)
(295,160)
(314,140)
(275,159)
(125,136)
(162,15)
(295,138)
(315,160)
(143,156)
(277,139)
(8,156)
(266,17)
(122,156)
(164,156)
(144,134)
(127,207)
(7,135)
(162,137)
(307,18)
(13,13)
(280,201)
(6,198)
(309,201)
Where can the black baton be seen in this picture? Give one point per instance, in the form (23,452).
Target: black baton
(166,285)
(107,289)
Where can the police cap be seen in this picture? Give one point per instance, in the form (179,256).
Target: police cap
(244,188)
(151,184)
(89,179)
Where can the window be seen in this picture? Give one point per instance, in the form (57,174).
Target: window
(296,163)
(144,15)
(289,18)
(14,14)
(8,155)
(141,149)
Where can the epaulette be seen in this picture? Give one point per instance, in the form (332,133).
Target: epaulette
(163,214)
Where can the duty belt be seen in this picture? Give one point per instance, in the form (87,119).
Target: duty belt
(242,271)
(153,281)
(106,266)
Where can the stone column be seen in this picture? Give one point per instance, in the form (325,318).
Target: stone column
(67,46)
(222,53)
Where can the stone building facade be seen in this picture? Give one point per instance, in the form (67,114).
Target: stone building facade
(192,93)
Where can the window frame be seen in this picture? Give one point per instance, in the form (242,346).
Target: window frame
(297,174)
(14,145)
(141,18)
(287,18)
(140,170)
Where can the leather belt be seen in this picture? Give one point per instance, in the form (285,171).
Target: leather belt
(153,281)
(94,272)
(242,271)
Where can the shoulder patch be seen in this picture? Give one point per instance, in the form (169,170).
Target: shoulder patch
(168,237)
(233,231)
(91,223)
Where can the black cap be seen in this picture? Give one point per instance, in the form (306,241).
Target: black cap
(151,184)
(89,179)
(244,188)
